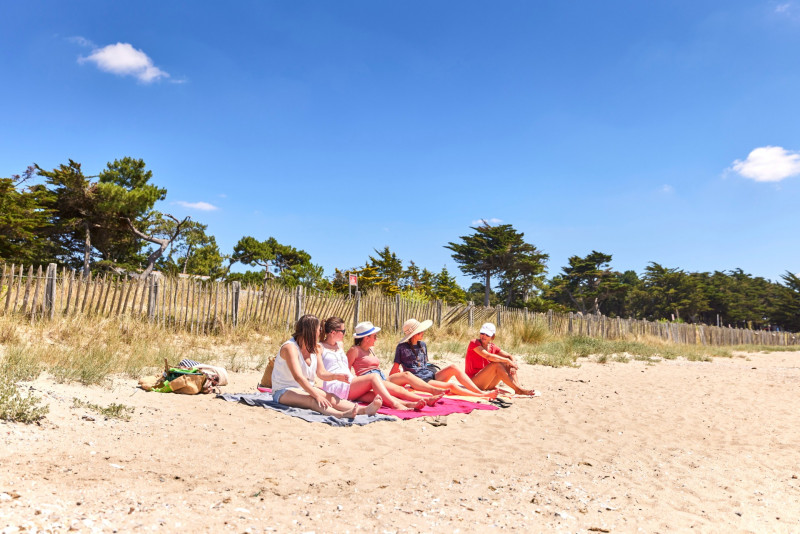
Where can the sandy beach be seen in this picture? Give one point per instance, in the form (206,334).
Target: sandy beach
(615,447)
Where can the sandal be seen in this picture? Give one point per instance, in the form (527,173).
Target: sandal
(502,403)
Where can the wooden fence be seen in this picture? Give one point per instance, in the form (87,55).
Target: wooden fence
(204,306)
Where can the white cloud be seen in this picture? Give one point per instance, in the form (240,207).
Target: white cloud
(667,189)
(490,222)
(202,206)
(768,164)
(783,8)
(124,60)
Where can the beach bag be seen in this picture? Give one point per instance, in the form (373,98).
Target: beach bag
(266,380)
(186,381)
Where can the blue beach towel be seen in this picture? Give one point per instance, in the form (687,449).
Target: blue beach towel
(264,400)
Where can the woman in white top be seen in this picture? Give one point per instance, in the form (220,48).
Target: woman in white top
(364,388)
(295,368)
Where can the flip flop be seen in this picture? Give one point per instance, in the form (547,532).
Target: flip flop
(502,403)
(435,421)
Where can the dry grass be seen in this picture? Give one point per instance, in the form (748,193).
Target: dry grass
(88,350)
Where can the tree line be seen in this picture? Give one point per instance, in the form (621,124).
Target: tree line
(107,223)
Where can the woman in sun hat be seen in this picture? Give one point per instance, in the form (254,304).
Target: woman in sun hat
(412,355)
(296,365)
(487,364)
(361,388)
(365,363)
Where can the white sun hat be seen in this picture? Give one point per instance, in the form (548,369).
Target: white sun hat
(365,329)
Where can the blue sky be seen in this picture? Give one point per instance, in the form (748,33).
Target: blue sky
(652,131)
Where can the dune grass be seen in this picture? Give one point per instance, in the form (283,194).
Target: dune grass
(89,349)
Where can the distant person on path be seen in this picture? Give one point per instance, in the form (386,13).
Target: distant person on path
(487,364)
(412,355)
(297,364)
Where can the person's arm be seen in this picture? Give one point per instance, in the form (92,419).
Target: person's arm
(352,354)
(290,354)
(398,360)
(502,357)
(326,375)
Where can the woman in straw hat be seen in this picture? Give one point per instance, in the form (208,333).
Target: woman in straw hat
(295,368)
(365,363)
(412,355)
(362,388)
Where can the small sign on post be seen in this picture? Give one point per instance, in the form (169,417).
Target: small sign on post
(352,282)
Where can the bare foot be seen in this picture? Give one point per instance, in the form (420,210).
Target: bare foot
(373,407)
(352,412)
(440,391)
(420,405)
(492,394)
(430,401)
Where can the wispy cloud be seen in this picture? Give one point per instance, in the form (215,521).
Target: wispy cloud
(783,8)
(124,60)
(202,206)
(81,41)
(667,189)
(768,164)
(491,222)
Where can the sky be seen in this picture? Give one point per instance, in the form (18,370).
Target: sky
(660,132)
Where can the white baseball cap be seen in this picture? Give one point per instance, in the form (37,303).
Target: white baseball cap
(488,329)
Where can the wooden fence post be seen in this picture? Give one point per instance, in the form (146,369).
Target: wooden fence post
(236,289)
(438,313)
(355,309)
(397,312)
(50,290)
(299,304)
(499,318)
(471,314)
(152,296)
(569,324)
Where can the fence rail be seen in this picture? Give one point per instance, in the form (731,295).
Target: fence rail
(204,306)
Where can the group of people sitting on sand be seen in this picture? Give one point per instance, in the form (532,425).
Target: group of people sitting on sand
(316,350)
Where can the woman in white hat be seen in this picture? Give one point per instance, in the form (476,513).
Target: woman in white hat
(295,368)
(363,388)
(412,355)
(487,364)
(365,363)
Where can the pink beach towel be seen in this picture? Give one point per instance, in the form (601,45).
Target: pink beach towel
(445,406)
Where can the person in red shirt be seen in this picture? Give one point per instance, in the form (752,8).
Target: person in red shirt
(487,364)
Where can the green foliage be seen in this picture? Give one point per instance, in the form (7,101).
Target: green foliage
(20,363)
(500,251)
(586,283)
(112,411)
(269,254)
(193,252)
(17,407)
(24,220)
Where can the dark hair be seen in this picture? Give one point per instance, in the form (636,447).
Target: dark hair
(358,340)
(306,332)
(333,323)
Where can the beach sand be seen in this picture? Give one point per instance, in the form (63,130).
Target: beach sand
(615,447)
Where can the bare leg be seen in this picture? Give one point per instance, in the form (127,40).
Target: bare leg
(452,371)
(492,374)
(458,389)
(402,393)
(304,400)
(366,387)
(407,379)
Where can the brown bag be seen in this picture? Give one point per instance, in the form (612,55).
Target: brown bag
(266,380)
(147,383)
(188,384)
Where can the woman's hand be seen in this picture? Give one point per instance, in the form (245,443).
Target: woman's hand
(321,400)
(343,377)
